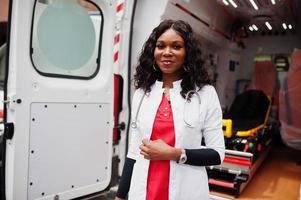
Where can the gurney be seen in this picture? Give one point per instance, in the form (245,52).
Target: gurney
(247,139)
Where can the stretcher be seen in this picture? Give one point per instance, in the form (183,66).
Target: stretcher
(247,139)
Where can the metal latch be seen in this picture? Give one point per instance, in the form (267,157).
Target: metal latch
(9,130)
(120,126)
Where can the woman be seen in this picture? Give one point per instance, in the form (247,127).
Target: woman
(174,107)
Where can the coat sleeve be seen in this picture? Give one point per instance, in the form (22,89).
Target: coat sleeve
(133,151)
(135,138)
(126,177)
(212,131)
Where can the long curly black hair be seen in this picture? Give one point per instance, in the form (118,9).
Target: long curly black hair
(194,75)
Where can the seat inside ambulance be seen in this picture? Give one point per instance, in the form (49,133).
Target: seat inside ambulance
(289,104)
(264,77)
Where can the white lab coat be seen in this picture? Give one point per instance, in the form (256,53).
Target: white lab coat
(186,182)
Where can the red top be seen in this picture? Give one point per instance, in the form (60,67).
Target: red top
(158,172)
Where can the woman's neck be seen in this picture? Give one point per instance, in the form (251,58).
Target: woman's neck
(166,93)
(168,81)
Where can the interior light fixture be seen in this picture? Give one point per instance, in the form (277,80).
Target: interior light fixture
(255,27)
(233,3)
(273,2)
(268,25)
(284,26)
(254,4)
(226,2)
(251,28)
(290,26)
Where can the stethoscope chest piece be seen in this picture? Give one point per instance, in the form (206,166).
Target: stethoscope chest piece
(134,124)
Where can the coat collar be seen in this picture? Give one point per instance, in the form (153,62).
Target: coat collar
(176,85)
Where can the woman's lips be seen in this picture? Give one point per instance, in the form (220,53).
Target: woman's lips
(167,62)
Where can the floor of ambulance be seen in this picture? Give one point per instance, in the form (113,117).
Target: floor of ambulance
(278,178)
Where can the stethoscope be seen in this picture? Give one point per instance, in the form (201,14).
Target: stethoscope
(134,122)
(187,100)
(190,125)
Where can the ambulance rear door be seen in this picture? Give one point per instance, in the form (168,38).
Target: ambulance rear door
(59,98)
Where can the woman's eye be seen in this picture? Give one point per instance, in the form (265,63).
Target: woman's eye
(177,46)
(159,46)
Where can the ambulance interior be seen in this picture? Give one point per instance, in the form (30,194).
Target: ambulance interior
(252,50)
(259,88)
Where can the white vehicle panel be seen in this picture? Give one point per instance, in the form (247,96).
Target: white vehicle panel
(27,88)
(69,155)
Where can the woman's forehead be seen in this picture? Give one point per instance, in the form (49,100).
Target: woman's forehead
(170,35)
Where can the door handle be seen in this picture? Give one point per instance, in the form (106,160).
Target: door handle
(120,126)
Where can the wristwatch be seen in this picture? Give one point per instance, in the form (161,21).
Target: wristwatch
(183,157)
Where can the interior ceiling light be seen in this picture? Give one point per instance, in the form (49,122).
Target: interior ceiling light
(284,26)
(290,26)
(233,3)
(251,28)
(254,4)
(268,25)
(226,2)
(273,2)
(255,27)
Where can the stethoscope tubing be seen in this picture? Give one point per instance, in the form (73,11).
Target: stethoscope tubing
(134,122)
(187,101)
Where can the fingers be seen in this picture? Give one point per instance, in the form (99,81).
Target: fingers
(154,149)
(146,142)
(144,149)
(151,149)
(159,140)
(144,153)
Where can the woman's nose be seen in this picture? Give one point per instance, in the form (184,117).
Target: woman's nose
(167,51)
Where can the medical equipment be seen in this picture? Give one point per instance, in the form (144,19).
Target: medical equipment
(187,100)
(247,139)
(134,122)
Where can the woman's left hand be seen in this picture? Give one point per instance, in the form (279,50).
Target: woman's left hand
(158,150)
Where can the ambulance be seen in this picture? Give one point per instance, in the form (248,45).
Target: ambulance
(66,83)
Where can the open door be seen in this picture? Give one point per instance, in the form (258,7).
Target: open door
(59,99)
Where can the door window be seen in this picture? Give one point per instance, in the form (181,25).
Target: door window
(3,42)
(66,37)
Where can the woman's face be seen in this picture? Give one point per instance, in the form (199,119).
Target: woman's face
(170,54)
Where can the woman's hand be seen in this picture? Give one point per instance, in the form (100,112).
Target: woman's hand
(117,198)
(159,150)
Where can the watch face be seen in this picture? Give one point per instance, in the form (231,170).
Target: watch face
(183,158)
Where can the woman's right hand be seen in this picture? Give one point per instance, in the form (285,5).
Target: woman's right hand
(117,198)
(159,150)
